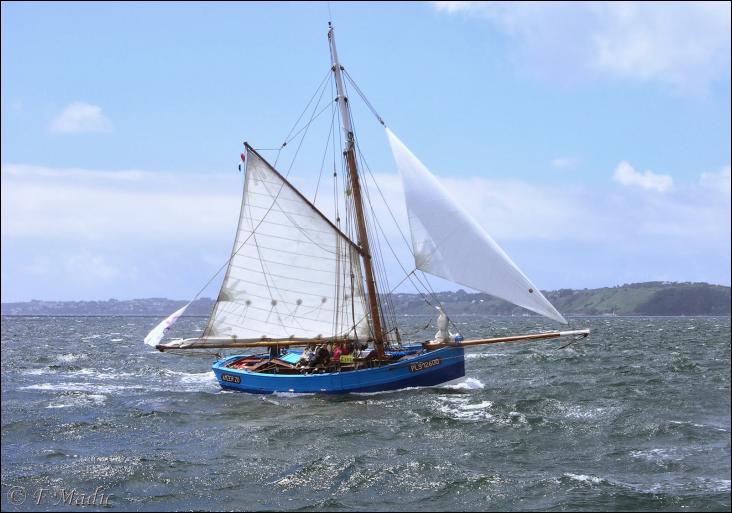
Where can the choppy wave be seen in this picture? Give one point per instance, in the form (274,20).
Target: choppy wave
(70,357)
(78,401)
(582,478)
(466,384)
(78,387)
(460,408)
(633,417)
(480,356)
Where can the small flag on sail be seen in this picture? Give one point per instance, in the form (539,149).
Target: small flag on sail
(158,332)
(243,159)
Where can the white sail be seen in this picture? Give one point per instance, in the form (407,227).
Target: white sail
(158,332)
(292,273)
(449,243)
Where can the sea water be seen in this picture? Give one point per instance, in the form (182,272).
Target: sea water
(635,417)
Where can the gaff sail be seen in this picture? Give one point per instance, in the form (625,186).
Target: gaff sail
(449,243)
(292,273)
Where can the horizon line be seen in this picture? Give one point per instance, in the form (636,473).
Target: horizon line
(662,282)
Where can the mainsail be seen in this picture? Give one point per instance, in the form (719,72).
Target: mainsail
(449,243)
(292,273)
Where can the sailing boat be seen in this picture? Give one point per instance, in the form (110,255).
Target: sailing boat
(296,278)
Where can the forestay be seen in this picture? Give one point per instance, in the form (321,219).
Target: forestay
(449,243)
(292,273)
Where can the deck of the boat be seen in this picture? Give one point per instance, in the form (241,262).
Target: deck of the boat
(286,363)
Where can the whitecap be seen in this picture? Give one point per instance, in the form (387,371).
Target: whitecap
(70,357)
(659,455)
(106,373)
(466,412)
(197,377)
(715,485)
(709,426)
(520,417)
(37,372)
(467,384)
(479,406)
(77,387)
(290,395)
(191,377)
(583,478)
(191,381)
(478,356)
(79,401)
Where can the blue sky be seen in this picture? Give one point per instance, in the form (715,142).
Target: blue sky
(592,140)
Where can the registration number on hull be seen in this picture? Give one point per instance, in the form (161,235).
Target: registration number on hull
(230,378)
(416,367)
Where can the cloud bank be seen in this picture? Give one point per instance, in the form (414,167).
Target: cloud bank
(72,233)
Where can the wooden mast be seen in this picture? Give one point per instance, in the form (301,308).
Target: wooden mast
(350,155)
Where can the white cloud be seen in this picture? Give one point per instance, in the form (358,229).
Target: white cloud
(91,267)
(719,180)
(684,44)
(143,206)
(91,234)
(83,204)
(566,162)
(513,210)
(85,265)
(81,117)
(625,174)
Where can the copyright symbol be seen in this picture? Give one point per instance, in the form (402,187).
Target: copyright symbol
(16,495)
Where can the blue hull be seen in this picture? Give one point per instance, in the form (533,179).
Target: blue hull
(427,369)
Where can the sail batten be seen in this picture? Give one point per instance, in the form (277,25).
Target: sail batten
(449,243)
(291,269)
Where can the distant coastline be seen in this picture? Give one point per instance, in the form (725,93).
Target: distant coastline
(649,298)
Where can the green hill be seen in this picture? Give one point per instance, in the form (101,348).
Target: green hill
(650,298)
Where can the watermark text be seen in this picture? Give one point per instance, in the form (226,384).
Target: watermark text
(58,496)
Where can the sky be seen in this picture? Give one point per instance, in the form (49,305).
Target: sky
(591,140)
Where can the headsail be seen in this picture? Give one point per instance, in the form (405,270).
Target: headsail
(292,273)
(158,332)
(449,243)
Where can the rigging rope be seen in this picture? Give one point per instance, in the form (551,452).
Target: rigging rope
(287,137)
(363,97)
(325,154)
